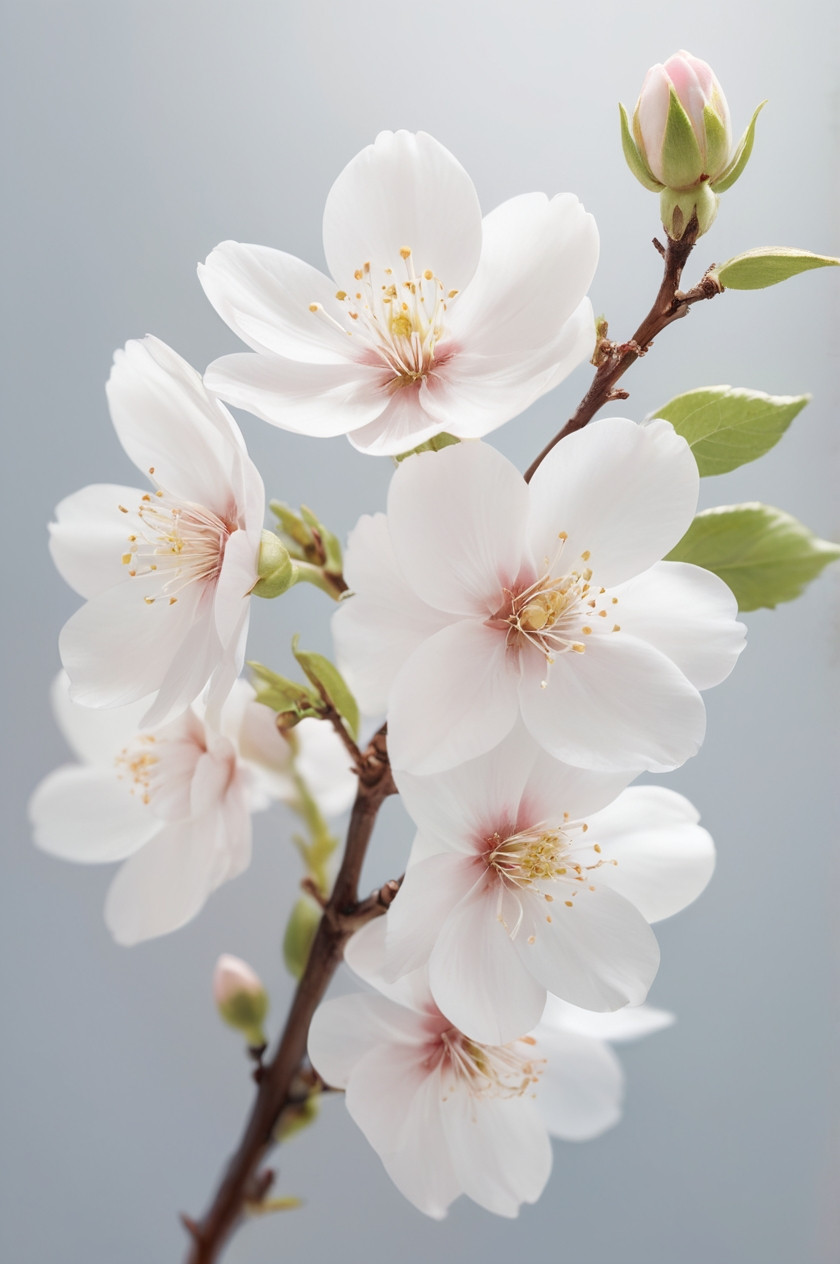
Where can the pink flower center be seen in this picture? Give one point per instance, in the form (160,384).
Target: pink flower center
(490,1070)
(398,318)
(179,542)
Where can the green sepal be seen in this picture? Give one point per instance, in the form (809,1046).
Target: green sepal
(288,698)
(300,932)
(741,156)
(717,141)
(276,569)
(764,554)
(768,265)
(436,444)
(326,543)
(292,530)
(245,1012)
(678,207)
(682,162)
(727,427)
(330,684)
(306,538)
(633,157)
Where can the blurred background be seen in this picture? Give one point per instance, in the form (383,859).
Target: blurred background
(140,133)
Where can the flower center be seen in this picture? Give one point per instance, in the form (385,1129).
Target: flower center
(182,543)
(138,763)
(398,314)
(491,1070)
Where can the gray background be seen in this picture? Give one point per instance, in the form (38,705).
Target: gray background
(137,136)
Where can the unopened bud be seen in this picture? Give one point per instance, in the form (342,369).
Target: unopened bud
(678,209)
(276,568)
(240,998)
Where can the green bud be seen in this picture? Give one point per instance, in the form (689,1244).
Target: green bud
(295,1118)
(300,932)
(240,998)
(276,569)
(677,208)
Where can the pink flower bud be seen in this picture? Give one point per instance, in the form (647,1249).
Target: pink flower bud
(681,123)
(240,997)
(231,976)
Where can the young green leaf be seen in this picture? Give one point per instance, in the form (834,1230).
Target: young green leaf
(757,269)
(726,426)
(330,684)
(763,554)
(284,696)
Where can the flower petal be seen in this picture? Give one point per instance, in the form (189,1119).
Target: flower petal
(87,815)
(664,859)
(624,494)
(264,296)
(499,1149)
(432,721)
(94,736)
(403,191)
(580,1091)
(90,536)
(593,948)
(346,1028)
(457,520)
(689,614)
(401,426)
(621,704)
(429,892)
(623,1024)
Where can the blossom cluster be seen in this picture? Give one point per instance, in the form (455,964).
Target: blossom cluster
(528,647)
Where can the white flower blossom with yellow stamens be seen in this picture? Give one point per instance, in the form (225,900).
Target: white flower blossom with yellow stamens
(529,876)
(435,320)
(479,598)
(167,572)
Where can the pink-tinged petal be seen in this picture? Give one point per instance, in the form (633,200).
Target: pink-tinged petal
(664,858)
(457,520)
(320,400)
(429,892)
(538,259)
(402,425)
(118,649)
(499,1149)
(237,831)
(346,1028)
(689,614)
(619,705)
(403,191)
(554,788)
(476,975)
(382,621)
(624,494)
(651,116)
(365,955)
(433,723)
(167,422)
(629,1023)
(233,586)
(265,296)
(87,815)
(580,1091)
(592,948)
(90,536)
(162,886)
(95,736)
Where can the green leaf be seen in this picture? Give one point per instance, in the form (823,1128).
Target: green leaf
(741,156)
(726,426)
(762,553)
(436,444)
(303,922)
(758,269)
(284,696)
(634,159)
(330,684)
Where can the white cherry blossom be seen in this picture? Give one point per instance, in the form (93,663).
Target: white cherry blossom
(174,802)
(166,570)
(449,1115)
(479,598)
(528,876)
(432,319)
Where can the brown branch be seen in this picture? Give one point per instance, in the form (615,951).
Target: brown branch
(612,360)
(279,1084)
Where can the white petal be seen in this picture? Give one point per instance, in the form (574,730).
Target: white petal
(323,763)
(345,1028)
(90,536)
(478,978)
(457,520)
(87,815)
(404,190)
(575,345)
(499,1149)
(689,614)
(599,953)
(665,859)
(401,426)
(623,1024)
(624,493)
(433,720)
(538,259)
(320,400)
(621,704)
(167,421)
(429,893)
(365,955)
(95,736)
(554,788)
(194,654)
(383,621)
(264,295)
(580,1091)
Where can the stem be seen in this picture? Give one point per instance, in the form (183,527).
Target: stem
(614,359)
(343,914)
